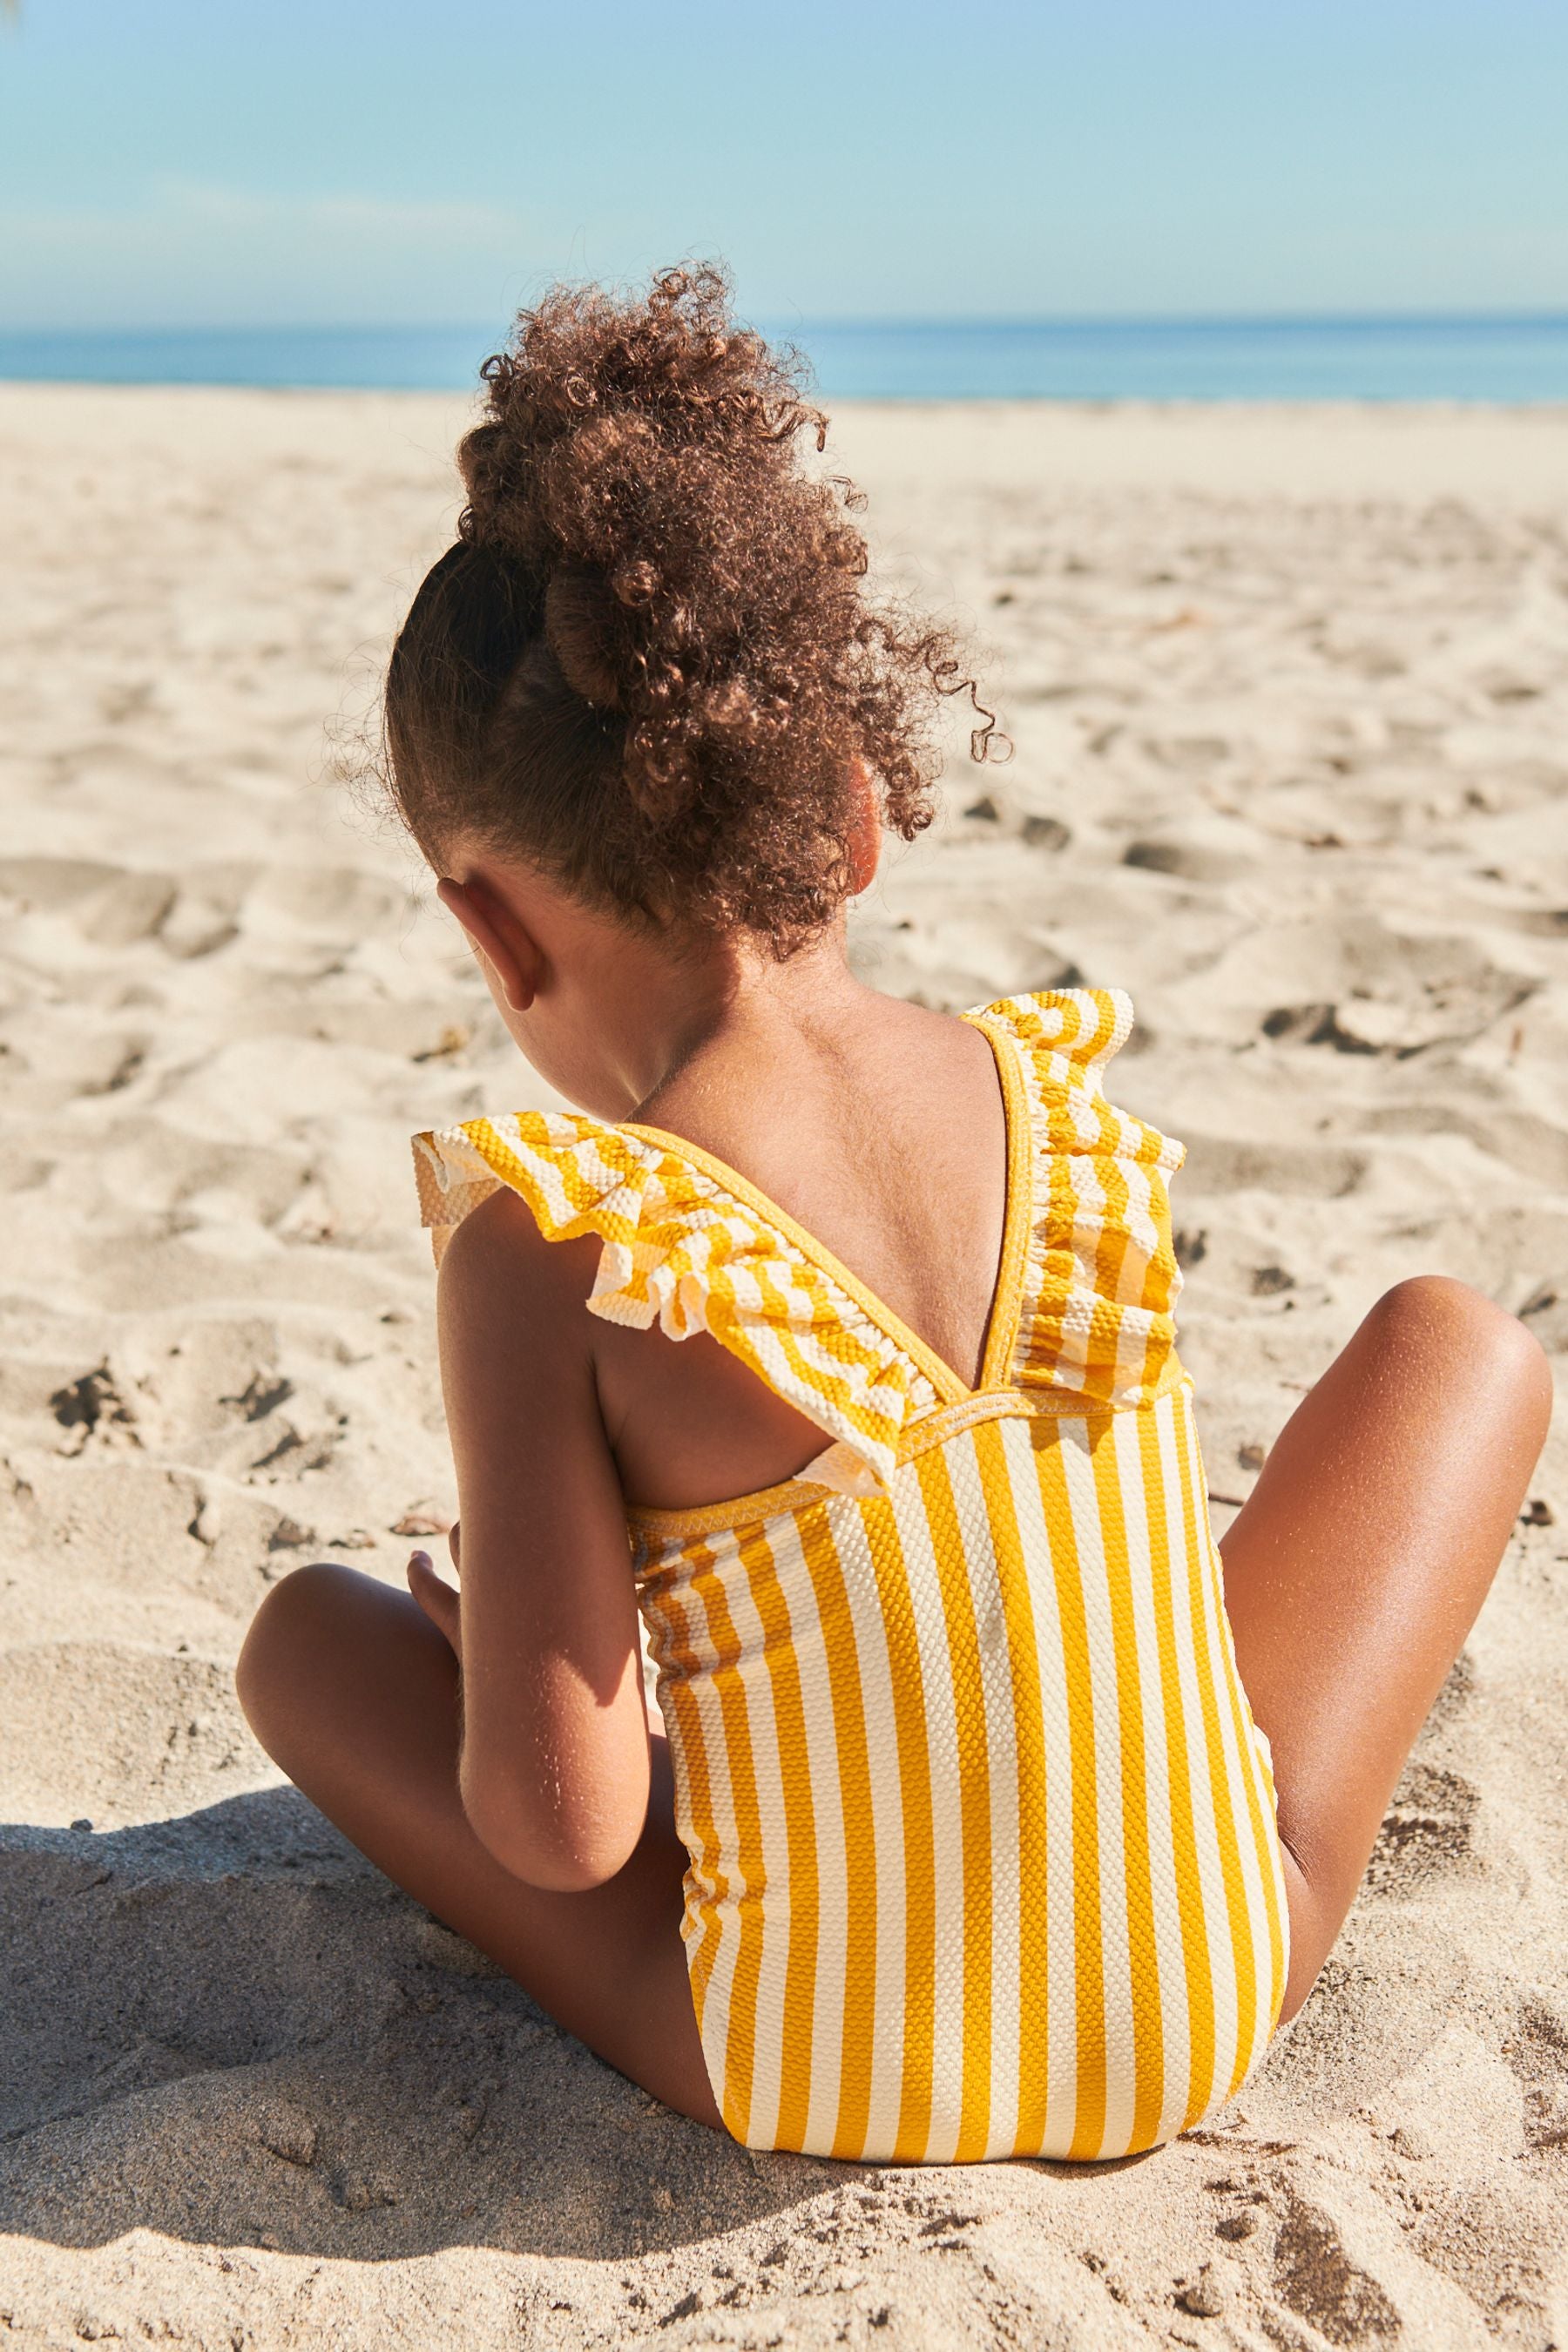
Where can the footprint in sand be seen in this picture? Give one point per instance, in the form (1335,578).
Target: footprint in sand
(94,1412)
(1537,2051)
(1429,1829)
(1315,2275)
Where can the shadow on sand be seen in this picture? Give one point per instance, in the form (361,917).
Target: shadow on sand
(231,2029)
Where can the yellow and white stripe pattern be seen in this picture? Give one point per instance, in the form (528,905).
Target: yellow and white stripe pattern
(984,1858)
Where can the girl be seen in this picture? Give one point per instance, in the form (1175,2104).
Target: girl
(990,1812)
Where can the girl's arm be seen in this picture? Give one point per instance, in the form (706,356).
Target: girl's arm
(553,1771)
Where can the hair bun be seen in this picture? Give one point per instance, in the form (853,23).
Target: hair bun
(581,628)
(653,663)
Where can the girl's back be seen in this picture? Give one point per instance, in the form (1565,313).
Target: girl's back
(883,1134)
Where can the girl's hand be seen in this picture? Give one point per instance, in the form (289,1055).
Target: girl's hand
(438,1599)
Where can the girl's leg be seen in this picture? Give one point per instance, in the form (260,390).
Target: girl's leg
(353,1691)
(1358,1565)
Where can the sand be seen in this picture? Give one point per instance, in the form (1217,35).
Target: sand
(1289,694)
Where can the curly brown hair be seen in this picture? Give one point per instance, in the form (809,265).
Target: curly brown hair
(650,661)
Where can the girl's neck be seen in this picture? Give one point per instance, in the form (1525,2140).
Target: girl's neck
(631,1021)
(735,1017)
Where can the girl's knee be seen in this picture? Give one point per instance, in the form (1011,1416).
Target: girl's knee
(1437,1303)
(286,1635)
(1448,1324)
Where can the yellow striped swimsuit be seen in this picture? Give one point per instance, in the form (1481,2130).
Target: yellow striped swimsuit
(984,1859)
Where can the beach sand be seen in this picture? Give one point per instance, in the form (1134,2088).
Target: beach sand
(1289,695)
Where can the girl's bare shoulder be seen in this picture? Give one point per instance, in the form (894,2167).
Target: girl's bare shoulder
(509,1300)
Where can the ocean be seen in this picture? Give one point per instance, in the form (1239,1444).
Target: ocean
(1493,359)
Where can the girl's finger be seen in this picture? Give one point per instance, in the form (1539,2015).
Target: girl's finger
(439,1600)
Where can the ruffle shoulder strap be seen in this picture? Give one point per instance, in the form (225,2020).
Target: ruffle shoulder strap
(1097,1280)
(682,1249)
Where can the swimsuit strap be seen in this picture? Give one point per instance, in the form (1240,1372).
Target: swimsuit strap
(688,1244)
(1090,1276)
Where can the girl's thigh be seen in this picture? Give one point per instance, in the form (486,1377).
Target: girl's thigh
(350,1689)
(1360,1560)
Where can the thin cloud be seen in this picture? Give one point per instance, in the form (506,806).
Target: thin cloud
(197,250)
(193,204)
(355,215)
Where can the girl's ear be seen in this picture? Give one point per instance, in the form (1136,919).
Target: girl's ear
(865,834)
(498,937)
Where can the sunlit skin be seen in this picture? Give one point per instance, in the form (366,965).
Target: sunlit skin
(485,1739)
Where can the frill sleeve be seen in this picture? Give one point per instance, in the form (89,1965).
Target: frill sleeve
(1097,1287)
(681,1251)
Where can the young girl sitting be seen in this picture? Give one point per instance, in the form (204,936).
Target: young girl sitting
(990,1812)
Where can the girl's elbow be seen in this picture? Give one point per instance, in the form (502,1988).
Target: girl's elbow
(580,1871)
(559,1858)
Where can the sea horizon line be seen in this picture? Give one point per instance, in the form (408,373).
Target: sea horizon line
(895,321)
(1502,357)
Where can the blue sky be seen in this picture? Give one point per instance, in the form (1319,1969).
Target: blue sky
(206,162)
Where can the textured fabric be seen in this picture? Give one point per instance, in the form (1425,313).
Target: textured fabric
(1100,1277)
(984,1859)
